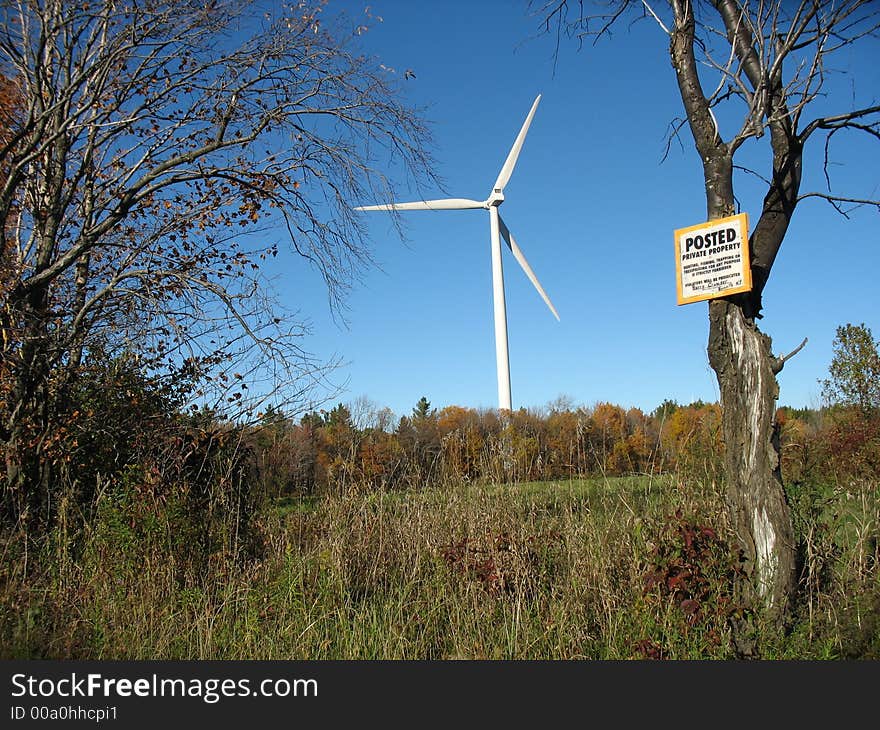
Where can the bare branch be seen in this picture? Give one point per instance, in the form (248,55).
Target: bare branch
(836,202)
(675,127)
(779,362)
(844,120)
(656,17)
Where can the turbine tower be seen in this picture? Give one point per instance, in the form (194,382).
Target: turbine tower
(497,230)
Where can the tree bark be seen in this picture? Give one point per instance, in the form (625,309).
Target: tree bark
(740,355)
(27,478)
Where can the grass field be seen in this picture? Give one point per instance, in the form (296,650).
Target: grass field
(636,567)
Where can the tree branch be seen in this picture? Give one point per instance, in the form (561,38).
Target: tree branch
(779,362)
(840,121)
(836,200)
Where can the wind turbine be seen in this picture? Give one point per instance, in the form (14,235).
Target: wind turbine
(497,230)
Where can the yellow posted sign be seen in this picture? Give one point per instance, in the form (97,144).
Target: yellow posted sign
(712,259)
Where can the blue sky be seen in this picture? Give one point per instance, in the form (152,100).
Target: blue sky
(593,209)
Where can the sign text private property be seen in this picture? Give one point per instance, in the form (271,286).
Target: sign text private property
(712,259)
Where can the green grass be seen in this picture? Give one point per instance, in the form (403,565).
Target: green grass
(550,570)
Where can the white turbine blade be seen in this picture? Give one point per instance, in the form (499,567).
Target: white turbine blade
(446,204)
(510,162)
(518,255)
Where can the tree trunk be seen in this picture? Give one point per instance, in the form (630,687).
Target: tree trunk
(740,355)
(738,352)
(27,481)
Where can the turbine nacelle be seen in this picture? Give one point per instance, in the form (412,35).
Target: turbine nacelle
(495,199)
(498,231)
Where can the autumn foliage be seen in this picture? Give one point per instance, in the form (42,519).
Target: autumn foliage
(327,451)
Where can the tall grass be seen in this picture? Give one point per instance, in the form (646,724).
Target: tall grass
(583,569)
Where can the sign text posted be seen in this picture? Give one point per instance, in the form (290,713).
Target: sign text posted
(712,259)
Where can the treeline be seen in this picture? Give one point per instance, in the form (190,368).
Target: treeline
(327,450)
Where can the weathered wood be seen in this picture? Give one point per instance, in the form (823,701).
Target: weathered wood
(740,354)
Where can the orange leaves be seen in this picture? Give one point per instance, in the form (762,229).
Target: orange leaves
(452,418)
(691,430)
(11,106)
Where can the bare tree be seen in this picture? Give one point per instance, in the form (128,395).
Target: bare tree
(161,151)
(766,63)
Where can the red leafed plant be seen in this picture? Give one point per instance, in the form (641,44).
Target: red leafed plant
(692,566)
(503,563)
